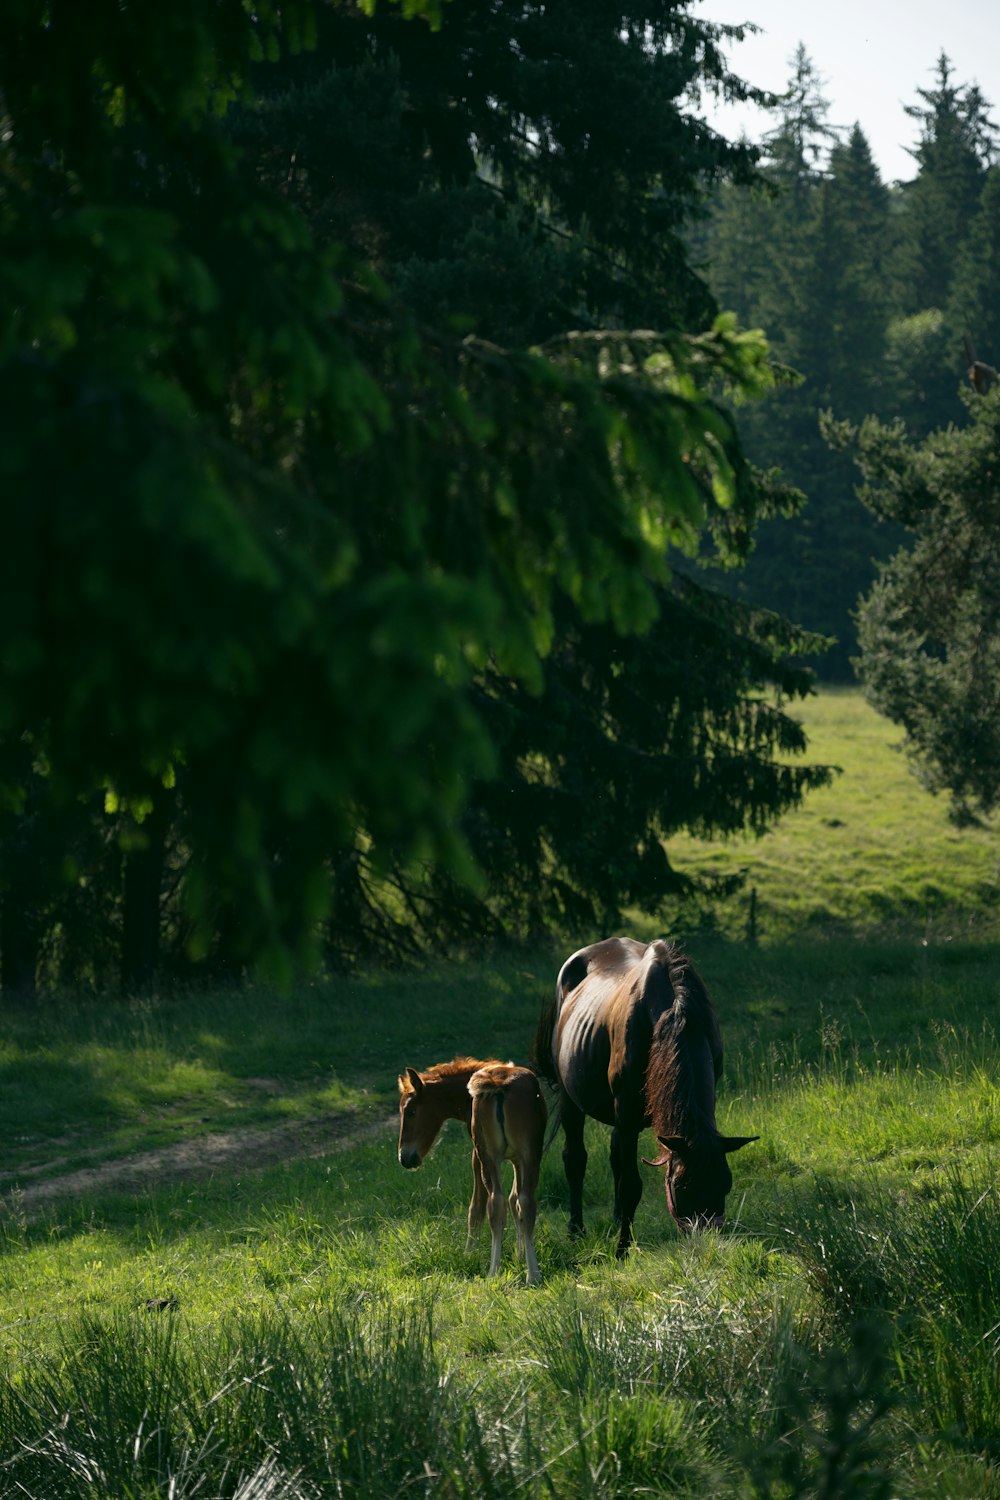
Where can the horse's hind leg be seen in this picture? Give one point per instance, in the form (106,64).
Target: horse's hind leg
(616,1172)
(574,1161)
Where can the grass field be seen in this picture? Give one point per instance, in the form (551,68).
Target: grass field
(871,850)
(306,1321)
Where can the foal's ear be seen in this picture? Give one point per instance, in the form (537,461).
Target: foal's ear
(410,1081)
(734,1142)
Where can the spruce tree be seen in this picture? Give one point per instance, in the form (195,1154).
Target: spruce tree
(974,305)
(856,231)
(816,267)
(955,145)
(930,628)
(569,220)
(272,534)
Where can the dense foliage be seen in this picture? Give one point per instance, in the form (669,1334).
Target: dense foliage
(879,296)
(930,628)
(571,222)
(287,549)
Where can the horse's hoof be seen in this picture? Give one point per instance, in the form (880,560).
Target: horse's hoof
(576,1231)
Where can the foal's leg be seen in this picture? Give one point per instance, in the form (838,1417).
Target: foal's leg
(629,1184)
(524,1203)
(496,1208)
(488,1148)
(477,1208)
(574,1160)
(512,1205)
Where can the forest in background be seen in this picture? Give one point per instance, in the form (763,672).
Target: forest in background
(880,296)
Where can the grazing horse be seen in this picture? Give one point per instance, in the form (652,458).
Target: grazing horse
(503,1110)
(632,1039)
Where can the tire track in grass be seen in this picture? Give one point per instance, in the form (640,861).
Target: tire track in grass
(200,1156)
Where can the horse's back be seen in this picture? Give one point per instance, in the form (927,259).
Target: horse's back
(609,997)
(619,974)
(609,959)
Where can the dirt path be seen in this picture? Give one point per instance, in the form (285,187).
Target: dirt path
(202,1156)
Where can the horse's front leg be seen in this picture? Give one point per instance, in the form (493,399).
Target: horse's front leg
(616,1172)
(628,1183)
(480,1195)
(574,1161)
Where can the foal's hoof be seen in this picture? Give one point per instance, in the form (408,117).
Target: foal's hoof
(622,1249)
(575,1231)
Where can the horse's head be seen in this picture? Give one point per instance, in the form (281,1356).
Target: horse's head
(419,1121)
(697,1178)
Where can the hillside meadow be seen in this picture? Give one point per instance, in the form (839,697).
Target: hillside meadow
(871,852)
(215,1280)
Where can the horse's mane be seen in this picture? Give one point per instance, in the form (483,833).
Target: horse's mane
(673,1100)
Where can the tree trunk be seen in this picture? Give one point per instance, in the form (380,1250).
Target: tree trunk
(19,943)
(23,885)
(142,879)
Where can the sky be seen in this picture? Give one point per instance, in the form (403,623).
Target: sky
(871,55)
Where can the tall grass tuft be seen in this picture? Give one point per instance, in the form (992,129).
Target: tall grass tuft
(711,1398)
(261,1407)
(934,1261)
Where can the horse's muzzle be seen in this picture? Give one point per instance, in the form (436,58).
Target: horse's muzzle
(713,1221)
(410,1157)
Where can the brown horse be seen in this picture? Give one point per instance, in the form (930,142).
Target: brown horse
(502,1108)
(632,1039)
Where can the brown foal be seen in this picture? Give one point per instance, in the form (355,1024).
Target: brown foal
(503,1110)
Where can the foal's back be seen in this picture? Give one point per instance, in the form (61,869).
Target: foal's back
(508,1112)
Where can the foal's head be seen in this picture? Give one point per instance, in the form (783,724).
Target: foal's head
(426,1100)
(419,1121)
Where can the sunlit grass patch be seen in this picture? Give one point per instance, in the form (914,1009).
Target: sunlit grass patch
(872,850)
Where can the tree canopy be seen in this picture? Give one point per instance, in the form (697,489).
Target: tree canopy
(283,540)
(875,295)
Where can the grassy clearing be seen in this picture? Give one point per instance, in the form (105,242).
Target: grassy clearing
(90,1080)
(318,1326)
(844,1325)
(872,851)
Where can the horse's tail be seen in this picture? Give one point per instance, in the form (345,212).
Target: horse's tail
(544,1064)
(541,1053)
(555,1120)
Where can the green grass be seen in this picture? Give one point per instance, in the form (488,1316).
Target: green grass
(872,851)
(857,1282)
(319,1326)
(93,1079)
